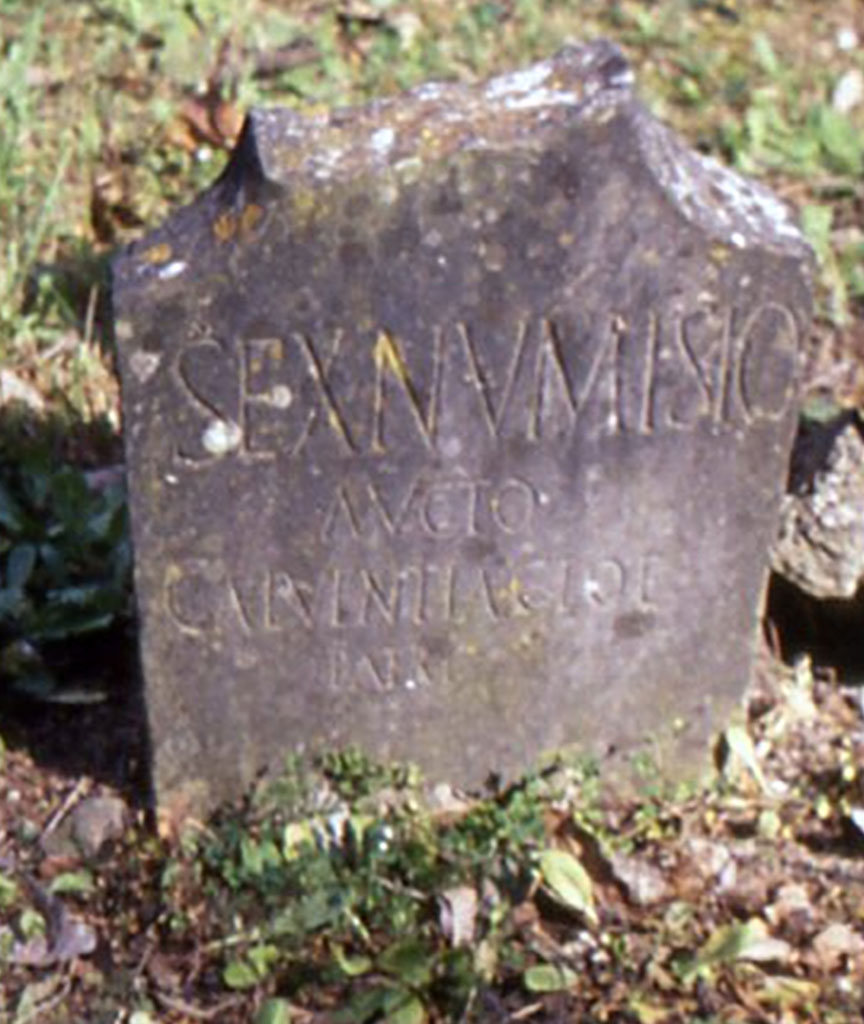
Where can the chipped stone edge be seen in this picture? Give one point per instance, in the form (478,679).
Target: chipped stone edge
(733,209)
(729,206)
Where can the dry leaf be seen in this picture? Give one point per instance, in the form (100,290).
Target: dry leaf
(792,903)
(787,993)
(749,940)
(568,882)
(14,389)
(742,756)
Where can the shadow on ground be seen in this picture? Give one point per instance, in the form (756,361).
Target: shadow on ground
(828,631)
(105,740)
(70,690)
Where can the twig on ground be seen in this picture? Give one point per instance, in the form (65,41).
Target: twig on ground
(526,1011)
(179,1006)
(69,802)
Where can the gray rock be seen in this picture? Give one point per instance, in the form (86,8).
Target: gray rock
(456,428)
(820,547)
(96,822)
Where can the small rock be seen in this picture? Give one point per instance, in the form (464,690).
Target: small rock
(68,938)
(97,821)
(747,897)
(75,938)
(846,38)
(645,884)
(849,91)
(710,858)
(790,899)
(835,943)
(458,915)
(701,863)
(792,911)
(727,880)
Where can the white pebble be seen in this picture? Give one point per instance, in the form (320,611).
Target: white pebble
(849,91)
(382,140)
(847,39)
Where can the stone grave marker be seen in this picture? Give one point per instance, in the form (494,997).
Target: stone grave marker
(456,428)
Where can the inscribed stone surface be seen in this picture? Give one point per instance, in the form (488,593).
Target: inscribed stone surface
(456,428)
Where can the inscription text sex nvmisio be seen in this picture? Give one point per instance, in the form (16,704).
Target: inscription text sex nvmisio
(542,380)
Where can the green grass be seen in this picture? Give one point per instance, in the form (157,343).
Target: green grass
(108,112)
(27,197)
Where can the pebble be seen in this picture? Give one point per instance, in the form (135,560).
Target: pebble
(849,91)
(97,821)
(645,884)
(847,39)
(835,942)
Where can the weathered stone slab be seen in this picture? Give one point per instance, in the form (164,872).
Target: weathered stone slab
(456,428)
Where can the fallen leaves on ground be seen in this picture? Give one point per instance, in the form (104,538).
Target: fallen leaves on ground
(652,910)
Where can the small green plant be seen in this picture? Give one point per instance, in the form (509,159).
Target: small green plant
(402,911)
(64,564)
(354,775)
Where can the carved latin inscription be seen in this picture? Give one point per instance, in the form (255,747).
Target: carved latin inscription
(412,555)
(202,595)
(540,383)
(439,508)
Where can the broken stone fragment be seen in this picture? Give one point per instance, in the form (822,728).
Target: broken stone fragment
(820,547)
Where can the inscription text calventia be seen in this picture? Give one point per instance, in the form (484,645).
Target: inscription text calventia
(202,595)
